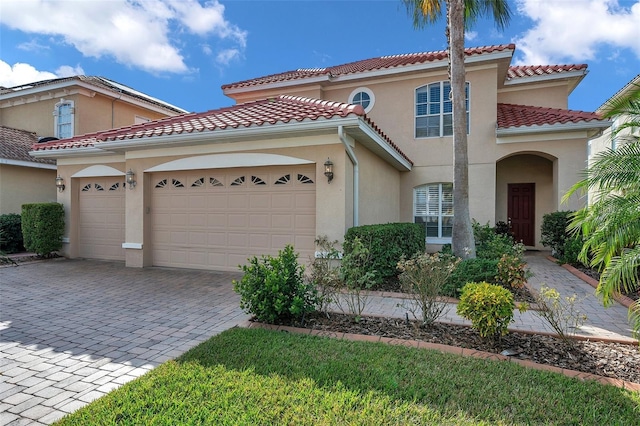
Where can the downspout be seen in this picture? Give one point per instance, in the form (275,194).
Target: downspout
(356,175)
(113,101)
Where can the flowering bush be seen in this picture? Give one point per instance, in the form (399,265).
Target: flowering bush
(424,278)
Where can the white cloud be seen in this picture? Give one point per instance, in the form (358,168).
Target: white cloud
(21,73)
(142,34)
(225,56)
(470,35)
(576,29)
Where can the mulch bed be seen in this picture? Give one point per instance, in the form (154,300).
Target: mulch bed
(615,360)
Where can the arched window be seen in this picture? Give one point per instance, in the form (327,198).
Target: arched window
(433,206)
(63,119)
(434,110)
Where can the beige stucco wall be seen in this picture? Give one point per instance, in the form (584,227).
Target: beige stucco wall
(21,185)
(379,189)
(550,95)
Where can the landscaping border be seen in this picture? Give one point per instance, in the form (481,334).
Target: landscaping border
(446,349)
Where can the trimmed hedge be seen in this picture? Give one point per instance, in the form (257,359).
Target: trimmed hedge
(471,270)
(11,233)
(43,227)
(387,244)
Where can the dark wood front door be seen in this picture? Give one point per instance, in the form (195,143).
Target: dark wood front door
(521,211)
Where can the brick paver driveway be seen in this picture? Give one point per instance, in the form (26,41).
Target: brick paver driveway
(73,330)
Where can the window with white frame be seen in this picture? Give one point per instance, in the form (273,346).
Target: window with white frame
(63,118)
(433,206)
(363,96)
(434,110)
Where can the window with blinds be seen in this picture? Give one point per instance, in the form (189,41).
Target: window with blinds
(434,110)
(433,206)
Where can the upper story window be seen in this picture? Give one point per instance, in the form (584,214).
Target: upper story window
(363,96)
(433,206)
(63,119)
(434,110)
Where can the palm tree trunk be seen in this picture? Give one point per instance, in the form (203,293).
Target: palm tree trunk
(463,243)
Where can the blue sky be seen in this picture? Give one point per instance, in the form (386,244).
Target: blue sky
(182,51)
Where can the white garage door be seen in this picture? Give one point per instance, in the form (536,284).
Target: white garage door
(217,219)
(101,224)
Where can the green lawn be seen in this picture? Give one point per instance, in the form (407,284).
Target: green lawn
(260,377)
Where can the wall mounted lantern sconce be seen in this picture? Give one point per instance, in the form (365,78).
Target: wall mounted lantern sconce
(328,170)
(60,183)
(131,179)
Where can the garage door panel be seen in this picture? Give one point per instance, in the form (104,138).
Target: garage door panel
(238,201)
(233,220)
(101,223)
(237,220)
(236,240)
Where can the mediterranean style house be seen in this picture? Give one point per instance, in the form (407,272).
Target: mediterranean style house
(57,109)
(316,151)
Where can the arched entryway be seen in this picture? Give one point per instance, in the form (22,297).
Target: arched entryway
(526,190)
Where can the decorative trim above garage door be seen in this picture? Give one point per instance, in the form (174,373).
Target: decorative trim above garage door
(220,161)
(93,171)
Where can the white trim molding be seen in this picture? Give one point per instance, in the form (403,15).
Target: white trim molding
(224,161)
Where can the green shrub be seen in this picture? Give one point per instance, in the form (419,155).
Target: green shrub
(423,277)
(554,231)
(512,271)
(387,243)
(274,289)
(11,230)
(489,307)
(471,270)
(356,277)
(491,245)
(43,227)
(561,314)
(570,250)
(324,272)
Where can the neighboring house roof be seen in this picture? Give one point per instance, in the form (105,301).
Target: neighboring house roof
(373,64)
(523,118)
(15,145)
(261,114)
(98,82)
(634,83)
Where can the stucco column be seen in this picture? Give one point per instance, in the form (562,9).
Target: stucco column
(134,219)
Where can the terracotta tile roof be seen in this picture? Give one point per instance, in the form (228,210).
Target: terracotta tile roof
(540,70)
(372,64)
(281,109)
(15,145)
(510,115)
(101,82)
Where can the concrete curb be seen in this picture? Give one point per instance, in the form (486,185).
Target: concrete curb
(635,387)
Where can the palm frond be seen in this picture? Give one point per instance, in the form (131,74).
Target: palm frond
(621,275)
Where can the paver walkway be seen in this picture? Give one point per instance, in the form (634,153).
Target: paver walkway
(73,330)
(611,322)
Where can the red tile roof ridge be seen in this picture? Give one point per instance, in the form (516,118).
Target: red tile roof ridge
(370,64)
